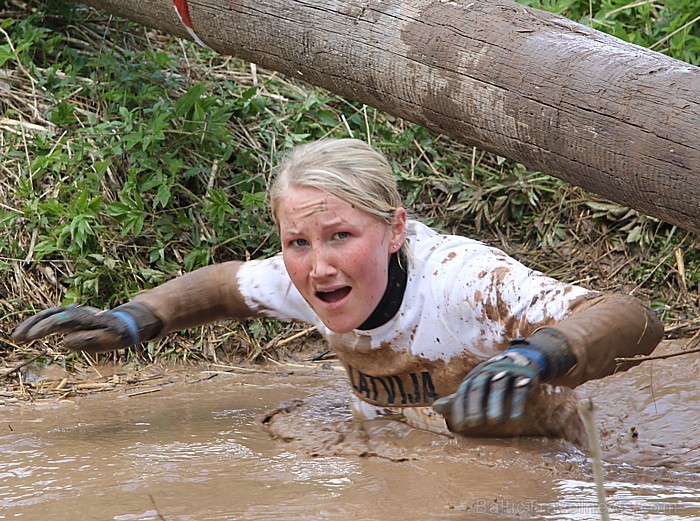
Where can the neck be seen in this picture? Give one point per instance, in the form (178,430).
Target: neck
(393,295)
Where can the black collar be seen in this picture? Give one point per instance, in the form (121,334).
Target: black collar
(391,300)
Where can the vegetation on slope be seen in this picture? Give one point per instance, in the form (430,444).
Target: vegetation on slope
(129,157)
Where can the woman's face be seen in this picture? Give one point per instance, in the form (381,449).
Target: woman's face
(336,255)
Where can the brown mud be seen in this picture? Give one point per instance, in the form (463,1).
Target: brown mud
(280,443)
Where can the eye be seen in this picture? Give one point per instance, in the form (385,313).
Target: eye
(298,243)
(341,235)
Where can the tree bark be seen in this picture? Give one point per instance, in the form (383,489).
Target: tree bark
(557,96)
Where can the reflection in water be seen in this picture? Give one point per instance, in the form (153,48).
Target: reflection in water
(198,452)
(627,501)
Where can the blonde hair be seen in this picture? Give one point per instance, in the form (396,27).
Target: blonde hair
(350,169)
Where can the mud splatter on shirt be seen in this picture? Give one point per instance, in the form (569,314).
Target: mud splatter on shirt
(464,301)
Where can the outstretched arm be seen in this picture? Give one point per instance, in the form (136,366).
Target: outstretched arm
(579,348)
(200,297)
(602,328)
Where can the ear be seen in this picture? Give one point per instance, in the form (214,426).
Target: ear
(398,230)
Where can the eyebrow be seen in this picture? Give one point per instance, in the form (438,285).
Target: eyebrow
(335,223)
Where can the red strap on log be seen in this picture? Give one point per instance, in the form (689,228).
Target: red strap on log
(183,13)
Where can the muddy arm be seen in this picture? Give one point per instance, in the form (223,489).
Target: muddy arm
(197,298)
(604,327)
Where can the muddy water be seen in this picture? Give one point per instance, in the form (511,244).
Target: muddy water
(199,451)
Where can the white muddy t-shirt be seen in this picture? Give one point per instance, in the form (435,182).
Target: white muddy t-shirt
(464,301)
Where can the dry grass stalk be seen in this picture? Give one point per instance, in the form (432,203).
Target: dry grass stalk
(689,348)
(586,409)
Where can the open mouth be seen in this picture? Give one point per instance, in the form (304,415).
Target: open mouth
(335,295)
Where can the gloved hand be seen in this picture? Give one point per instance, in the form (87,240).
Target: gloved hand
(90,329)
(496,391)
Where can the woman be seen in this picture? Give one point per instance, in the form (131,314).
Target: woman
(446,331)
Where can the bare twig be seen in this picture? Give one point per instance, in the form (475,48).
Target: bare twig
(296,336)
(145,391)
(690,348)
(656,357)
(20,366)
(278,341)
(670,35)
(233,368)
(160,516)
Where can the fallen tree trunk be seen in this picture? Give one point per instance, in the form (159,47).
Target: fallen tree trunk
(611,117)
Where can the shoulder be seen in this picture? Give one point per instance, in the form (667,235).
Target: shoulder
(267,288)
(262,273)
(459,269)
(429,248)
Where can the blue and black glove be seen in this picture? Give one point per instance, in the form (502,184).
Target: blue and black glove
(497,390)
(90,329)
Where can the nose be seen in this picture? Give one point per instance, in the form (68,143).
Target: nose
(323,266)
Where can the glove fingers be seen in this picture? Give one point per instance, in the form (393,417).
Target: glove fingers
(521,389)
(473,401)
(444,405)
(23,332)
(498,397)
(66,320)
(493,393)
(93,341)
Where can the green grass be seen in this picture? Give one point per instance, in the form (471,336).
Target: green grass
(671,27)
(129,157)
